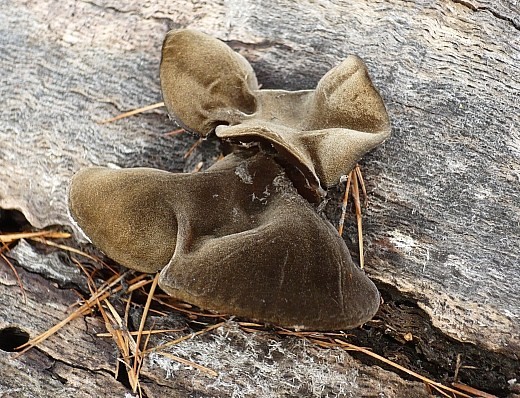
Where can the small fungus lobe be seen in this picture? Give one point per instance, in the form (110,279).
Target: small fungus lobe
(321,132)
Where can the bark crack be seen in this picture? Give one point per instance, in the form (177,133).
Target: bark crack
(493,12)
(429,350)
(130,11)
(76,365)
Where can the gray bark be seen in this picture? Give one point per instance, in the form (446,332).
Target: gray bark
(443,222)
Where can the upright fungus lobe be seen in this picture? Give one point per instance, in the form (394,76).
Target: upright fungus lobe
(200,93)
(322,132)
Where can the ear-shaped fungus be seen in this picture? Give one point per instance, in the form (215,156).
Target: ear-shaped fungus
(208,83)
(321,132)
(236,238)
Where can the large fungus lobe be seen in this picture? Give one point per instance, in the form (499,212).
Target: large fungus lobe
(236,238)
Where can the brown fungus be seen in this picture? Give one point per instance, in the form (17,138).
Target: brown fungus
(236,238)
(206,83)
(321,132)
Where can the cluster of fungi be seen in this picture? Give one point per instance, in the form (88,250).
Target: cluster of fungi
(243,237)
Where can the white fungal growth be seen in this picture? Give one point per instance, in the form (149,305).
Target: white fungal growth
(231,353)
(243,173)
(401,241)
(283,185)
(169,366)
(262,199)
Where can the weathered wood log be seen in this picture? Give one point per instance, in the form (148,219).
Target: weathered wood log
(77,363)
(443,222)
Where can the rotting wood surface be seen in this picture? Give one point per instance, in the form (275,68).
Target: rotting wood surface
(443,224)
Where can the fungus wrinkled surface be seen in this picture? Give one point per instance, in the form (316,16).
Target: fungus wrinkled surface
(236,238)
(322,132)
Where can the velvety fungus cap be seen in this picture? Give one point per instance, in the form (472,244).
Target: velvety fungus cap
(236,238)
(322,132)
(239,238)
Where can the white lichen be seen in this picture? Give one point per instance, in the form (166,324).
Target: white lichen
(232,354)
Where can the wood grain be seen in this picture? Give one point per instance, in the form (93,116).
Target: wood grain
(443,223)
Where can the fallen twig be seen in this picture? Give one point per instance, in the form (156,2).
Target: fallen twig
(132,112)
(20,284)
(8,238)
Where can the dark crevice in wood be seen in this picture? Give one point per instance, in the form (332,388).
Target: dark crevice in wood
(515,24)
(77,365)
(404,333)
(12,337)
(122,375)
(237,45)
(172,24)
(496,14)
(13,221)
(54,374)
